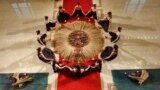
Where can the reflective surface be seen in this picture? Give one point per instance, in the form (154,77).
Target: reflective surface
(139,43)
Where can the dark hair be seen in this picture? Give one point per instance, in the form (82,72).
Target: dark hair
(46,17)
(38,49)
(38,32)
(119,29)
(110,14)
(60,7)
(44,36)
(94,5)
(78,3)
(115,47)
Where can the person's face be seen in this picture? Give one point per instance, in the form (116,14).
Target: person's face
(61,10)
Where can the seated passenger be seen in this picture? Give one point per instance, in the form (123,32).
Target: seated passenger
(62,15)
(115,36)
(45,54)
(50,24)
(78,12)
(105,23)
(41,38)
(92,13)
(109,53)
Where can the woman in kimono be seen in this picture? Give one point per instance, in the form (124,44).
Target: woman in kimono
(50,24)
(78,12)
(62,15)
(105,23)
(41,38)
(115,36)
(93,12)
(45,54)
(109,53)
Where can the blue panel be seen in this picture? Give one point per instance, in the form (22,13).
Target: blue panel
(122,82)
(39,82)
